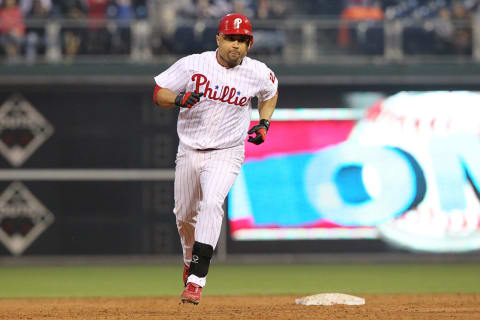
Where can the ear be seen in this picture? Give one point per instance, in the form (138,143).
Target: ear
(218,39)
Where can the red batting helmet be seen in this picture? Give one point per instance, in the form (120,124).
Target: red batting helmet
(236,23)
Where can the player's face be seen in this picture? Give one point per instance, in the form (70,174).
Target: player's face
(232,48)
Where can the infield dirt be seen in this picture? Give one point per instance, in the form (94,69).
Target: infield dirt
(425,306)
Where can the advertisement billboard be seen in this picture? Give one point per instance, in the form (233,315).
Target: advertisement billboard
(406,170)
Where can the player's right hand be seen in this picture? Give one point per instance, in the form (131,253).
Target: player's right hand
(188,99)
(260,131)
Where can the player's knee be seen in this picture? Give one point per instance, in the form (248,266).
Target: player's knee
(201,255)
(183,214)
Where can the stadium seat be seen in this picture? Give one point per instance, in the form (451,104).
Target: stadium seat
(208,38)
(184,40)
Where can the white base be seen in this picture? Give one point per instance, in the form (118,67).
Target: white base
(330,299)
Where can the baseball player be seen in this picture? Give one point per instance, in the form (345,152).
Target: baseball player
(213,90)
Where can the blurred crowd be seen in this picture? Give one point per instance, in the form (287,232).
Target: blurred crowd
(191,25)
(24,26)
(106,27)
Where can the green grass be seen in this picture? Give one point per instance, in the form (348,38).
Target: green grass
(165,280)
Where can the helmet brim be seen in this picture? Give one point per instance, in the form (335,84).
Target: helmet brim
(244,32)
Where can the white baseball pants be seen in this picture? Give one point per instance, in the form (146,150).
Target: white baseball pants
(202,182)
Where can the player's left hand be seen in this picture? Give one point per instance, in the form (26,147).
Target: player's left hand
(260,131)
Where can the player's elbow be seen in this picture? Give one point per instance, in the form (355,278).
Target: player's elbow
(155,94)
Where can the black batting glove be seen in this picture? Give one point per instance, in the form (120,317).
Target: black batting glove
(188,99)
(260,131)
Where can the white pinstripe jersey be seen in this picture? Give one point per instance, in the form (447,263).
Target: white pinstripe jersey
(222,116)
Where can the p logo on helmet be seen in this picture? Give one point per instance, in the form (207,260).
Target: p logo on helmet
(236,23)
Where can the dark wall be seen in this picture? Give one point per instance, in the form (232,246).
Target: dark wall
(96,128)
(101,129)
